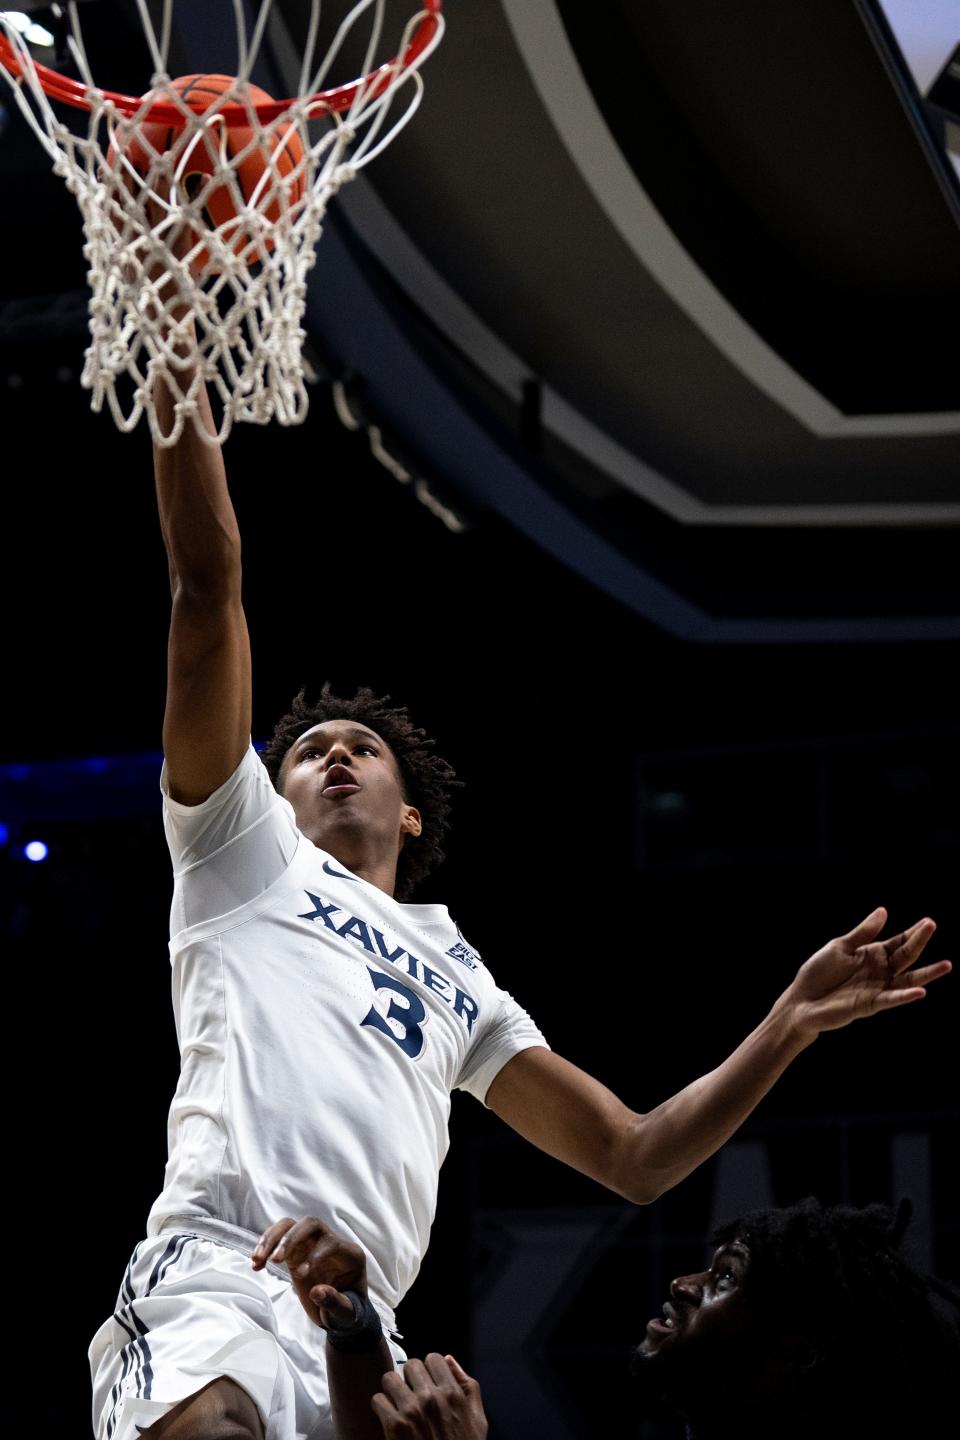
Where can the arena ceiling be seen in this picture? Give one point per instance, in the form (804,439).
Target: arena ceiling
(670,289)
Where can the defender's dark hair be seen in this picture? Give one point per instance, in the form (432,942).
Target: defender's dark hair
(885,1337)
(426,779)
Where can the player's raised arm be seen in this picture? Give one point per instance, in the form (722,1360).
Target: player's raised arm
(576,1119)
(206,726)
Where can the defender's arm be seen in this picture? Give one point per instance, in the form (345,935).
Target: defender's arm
(323,1266)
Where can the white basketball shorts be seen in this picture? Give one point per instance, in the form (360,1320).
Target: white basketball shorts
(191,1309)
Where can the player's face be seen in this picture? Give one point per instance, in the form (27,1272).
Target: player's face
(706,1320)
(344,785)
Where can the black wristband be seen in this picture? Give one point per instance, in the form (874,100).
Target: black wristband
(364,1331)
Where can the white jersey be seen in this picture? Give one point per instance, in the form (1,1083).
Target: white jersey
(322,1027)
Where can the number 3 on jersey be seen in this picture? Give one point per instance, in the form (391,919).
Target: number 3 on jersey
(407,1016)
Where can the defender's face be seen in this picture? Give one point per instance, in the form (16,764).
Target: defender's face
(706,1321)
(344,785)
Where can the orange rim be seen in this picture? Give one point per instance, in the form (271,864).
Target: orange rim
(73,92)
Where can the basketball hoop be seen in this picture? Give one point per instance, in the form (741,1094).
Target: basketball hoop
(202,211)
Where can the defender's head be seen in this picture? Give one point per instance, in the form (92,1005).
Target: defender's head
(806,1317)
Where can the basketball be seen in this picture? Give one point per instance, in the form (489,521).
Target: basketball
(270,178)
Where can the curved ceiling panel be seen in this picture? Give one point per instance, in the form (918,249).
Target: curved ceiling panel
(761,166)
(494,228)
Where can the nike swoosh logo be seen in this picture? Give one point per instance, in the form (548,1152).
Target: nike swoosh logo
(339,873)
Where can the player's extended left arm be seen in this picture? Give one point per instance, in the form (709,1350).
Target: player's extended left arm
(571,1116)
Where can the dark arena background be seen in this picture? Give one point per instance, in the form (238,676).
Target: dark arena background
(633,467)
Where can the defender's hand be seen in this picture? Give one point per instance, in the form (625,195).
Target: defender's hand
(434,1399)
(322,1265)
(858,975)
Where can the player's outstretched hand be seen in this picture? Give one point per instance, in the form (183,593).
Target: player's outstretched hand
(434,1399)
(859,974)
(322,1266)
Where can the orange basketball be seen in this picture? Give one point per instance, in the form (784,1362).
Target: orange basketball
(207,156)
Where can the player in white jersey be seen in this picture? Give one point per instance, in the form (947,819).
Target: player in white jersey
(323,1023)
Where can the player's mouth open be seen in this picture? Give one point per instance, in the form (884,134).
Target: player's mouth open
(339,781)
(666,1326)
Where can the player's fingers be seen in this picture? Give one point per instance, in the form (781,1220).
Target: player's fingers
(928,973)
(440,1373)
(317,1257)
(298,1235)
(890,947)
(414,1404)
(291,1247)
(269,1240)
(416,1376)
(334,1310)
(891,999)
(911,944)
(868,929)
(425,1401)
(334,1260)
(465,1381)
(394,1426)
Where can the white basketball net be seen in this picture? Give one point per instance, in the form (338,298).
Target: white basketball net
(239,287)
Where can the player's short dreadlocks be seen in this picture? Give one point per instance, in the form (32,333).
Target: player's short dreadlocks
(427,780)
(886,1337)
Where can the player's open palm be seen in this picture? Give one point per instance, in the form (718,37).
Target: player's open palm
(322,1267)
(859,974)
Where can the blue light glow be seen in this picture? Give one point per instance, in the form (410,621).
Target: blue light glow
(35,850)
(4,833)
